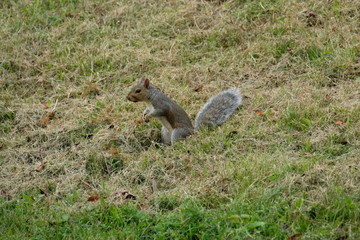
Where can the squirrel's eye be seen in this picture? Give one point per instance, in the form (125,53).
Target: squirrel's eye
(138,90)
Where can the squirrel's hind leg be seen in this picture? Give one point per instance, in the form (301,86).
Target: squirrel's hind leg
(165,136)
(180,134)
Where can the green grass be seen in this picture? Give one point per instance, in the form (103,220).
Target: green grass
(285,163)
(267,215)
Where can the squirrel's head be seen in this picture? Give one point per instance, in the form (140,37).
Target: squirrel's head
(140,93)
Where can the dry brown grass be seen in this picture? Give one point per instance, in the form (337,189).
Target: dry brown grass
(79,63)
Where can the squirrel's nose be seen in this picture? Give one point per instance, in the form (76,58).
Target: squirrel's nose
(131,99)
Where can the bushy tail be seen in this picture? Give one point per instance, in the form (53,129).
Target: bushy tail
(218,108)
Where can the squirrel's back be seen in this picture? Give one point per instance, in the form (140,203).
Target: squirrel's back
(218,108)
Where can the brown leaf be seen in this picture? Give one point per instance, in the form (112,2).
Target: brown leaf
(259,112)
(51,115)
(124,194)
(4,193)
(93,198)
(339,122)
(295,236)
(45,104)
(139,121)
(90,89)
(41,167)
(113,151)
(45,120)
(291,51)
(199,88)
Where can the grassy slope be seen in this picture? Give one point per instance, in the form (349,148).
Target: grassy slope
(293,170)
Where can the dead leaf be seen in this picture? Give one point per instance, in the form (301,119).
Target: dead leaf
(45,120)
(41,167)
(93,198)
(139,121)
(124,194)
(51,115)
(295,236)
(45,104)
(199,88)
(339,122)
(113,151)
(259,112)
(90,89)
(4,193)
(291,51)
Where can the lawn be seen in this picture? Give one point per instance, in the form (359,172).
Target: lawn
(76,162)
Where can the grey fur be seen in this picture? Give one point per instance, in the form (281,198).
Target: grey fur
(218,108)
(176,124)
(165,136)
(163,106)
(180,134)
(175,135)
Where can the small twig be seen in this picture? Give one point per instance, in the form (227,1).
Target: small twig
(56,102)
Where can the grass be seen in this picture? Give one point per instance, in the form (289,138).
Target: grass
(285,165)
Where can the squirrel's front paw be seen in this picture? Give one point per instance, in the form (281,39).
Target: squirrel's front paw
(146,117)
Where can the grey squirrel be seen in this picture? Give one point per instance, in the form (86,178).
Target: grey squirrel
(176,124)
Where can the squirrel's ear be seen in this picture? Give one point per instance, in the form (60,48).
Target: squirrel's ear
(146,82)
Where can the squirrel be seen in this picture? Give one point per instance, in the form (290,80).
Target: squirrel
(176,124)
